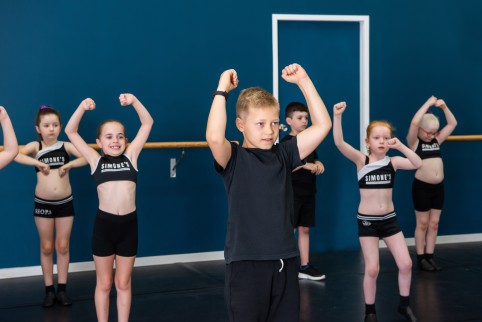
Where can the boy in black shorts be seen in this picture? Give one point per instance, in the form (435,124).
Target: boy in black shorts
(304,188)
(260,251)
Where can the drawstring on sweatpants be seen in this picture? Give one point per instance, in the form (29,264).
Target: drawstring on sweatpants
(282,265)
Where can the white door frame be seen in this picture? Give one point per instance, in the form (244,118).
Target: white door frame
(364,22)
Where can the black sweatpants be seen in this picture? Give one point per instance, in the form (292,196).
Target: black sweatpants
(263,291)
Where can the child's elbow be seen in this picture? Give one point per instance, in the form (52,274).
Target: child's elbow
(212,139)
(418,163)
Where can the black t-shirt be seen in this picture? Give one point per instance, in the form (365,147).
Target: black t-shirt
(260,202)
(304,182)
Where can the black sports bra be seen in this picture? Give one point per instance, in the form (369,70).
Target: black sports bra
(377,175)
(111,168)
(55,155)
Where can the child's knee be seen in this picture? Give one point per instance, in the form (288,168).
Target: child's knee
(405,266)
(372,271)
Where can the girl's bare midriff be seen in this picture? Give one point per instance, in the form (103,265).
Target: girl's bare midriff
(117,197)
(52,186)
(375,202)
(431,171)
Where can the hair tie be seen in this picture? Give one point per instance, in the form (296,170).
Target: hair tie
(43,107)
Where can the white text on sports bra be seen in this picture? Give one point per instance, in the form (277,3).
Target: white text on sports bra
(122,166)
(430,147)
(53,160)
(378,178)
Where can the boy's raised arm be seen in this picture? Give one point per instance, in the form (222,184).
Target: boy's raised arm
(216,127)
(310,138)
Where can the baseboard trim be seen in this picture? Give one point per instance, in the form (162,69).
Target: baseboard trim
(196,257)
(449,239)
(140,261)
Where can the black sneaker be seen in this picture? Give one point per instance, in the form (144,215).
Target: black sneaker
(425,265)
(407,313)
(49,299)
(63,299)
(371,317)
(310,273)
(434,265)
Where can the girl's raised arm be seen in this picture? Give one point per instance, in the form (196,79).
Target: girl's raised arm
(347,150)
(72,132)
(451,121)
(135,147)
(412,138)
(10,144)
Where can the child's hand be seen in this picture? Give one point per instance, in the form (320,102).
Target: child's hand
(315,168)
(127,99)
(431,101)
(293,73)
(63,170)
(440,103)
(339,108)
(44,168)
(228,80)
(394,143)
(88,104)
(3,113)
(318,169)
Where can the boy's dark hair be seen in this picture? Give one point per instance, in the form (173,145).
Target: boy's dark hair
(295,107)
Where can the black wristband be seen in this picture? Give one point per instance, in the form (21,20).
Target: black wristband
(223,93)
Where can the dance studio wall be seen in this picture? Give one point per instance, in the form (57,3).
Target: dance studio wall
(170,54)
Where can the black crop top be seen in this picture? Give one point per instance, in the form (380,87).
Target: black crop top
(427,150)
(111,168)
(377,175)
(55,155)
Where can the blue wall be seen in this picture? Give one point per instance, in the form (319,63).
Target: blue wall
(170,54)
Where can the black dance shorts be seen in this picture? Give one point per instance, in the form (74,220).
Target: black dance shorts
(427,196)
(115,234)
(304,214)
(53,208)
(378,226)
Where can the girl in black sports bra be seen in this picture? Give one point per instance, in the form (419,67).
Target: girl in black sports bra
(376,212)
(53,202)
(115,228)
(425,138)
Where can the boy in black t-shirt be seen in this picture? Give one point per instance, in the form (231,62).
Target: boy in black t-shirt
(304,190)
(261,256)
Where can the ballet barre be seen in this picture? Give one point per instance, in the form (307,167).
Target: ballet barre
(459,138)
(160,145)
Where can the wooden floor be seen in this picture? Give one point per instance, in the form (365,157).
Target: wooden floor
(194,291)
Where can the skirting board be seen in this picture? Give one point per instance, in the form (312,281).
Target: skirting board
(140,261)
(195,257)
(449,239)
